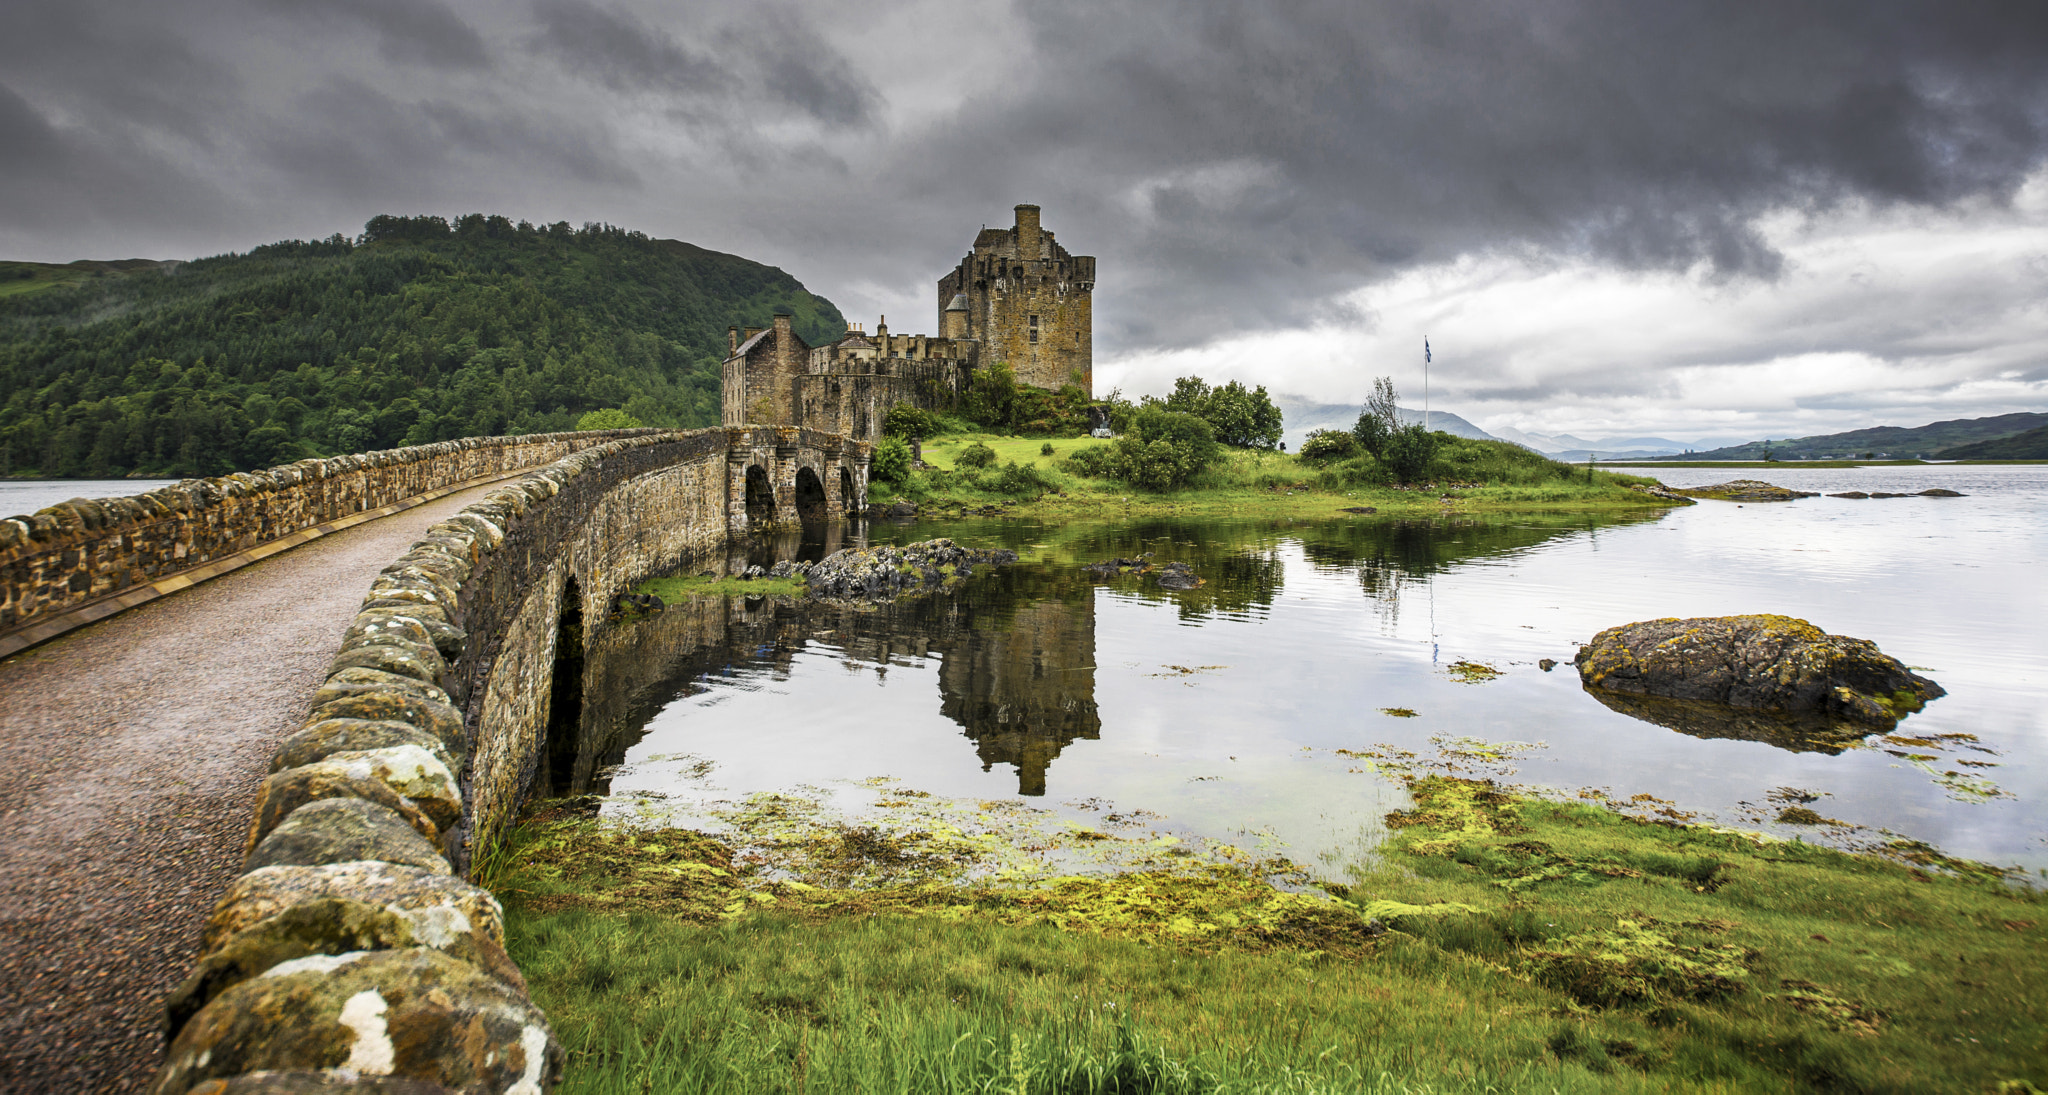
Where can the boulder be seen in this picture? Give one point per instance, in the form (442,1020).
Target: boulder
(1765,663)
(441,720)
(413,1014)
(879,573)
(327,925)
(422,662)
(283,792)
(349,682)
(1745,490)
(902,509)
(1850,494)
(1178,576)
(439,907)
(314,1083)
(344,830)
(1941,492)
(322,739)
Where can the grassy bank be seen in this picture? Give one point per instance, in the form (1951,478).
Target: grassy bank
(1468,476)
(1500,943)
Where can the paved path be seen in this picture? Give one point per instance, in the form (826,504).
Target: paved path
(130,752)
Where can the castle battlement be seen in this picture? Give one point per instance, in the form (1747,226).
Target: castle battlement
(1017,298)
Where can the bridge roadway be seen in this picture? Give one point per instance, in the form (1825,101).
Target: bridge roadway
(130,751)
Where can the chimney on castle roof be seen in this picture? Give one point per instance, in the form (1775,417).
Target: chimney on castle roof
(1027,232)
(732,341)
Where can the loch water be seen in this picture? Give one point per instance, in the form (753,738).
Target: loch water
(1254,711)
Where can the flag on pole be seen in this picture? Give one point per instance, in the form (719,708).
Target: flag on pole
(1425,351)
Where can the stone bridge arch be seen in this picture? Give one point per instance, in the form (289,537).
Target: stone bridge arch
(777,455)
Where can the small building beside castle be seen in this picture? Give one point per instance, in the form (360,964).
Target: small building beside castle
(1017,298)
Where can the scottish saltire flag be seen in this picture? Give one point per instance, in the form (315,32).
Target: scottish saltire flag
(1425,351)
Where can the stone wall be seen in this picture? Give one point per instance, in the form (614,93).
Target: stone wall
(352,948)
(79,553)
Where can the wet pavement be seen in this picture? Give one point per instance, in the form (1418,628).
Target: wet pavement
(131,751)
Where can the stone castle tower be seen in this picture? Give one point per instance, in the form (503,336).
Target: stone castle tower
(1018,298)
(1027,302)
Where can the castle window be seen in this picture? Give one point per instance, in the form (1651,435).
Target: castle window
(1034,330)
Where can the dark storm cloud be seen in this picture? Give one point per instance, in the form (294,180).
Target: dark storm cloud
(1234,163)
(769,54)
(423,32)
(1371,136)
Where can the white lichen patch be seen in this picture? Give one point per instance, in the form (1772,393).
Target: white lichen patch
(322,964)
(372,1054)
(436,925)
(533,1042)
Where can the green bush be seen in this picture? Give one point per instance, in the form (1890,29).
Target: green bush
(1163,449)
(1408,453)
(1323,445)
(904,420)
(892,461)
(1096,462)
(1242,417)
(976,455)
(609,418)
(1045,449)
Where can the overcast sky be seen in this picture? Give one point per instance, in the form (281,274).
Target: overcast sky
(1691,219)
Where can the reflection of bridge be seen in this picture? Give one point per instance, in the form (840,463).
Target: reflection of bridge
(1016,670)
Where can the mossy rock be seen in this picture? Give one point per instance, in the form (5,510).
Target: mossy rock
(415,1014)
(1768,663)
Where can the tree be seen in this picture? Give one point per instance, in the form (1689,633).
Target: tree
(1162,449)
(1408,451)
(1379,418)
(892,461)
(1245,418)
(609,418)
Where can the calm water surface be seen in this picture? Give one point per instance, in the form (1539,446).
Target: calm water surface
(19,497)
(1218,713)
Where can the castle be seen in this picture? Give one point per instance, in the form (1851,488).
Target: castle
(1017,298)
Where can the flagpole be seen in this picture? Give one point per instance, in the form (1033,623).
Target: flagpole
(1425,383)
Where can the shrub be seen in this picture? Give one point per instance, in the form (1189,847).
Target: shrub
(1378,419)
(1242,417)
(1095,462)
(1329,445)
(1408,452)
(1045,449)
(609,418)
(1163,449)
(976,455)
(904,420)
(892,461)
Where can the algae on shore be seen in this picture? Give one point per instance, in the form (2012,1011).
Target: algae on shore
(1499,941)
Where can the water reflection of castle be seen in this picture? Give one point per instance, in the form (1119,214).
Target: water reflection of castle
(1016,669)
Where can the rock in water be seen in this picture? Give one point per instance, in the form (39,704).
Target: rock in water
(881,573)
(1767,663)
(1746,490)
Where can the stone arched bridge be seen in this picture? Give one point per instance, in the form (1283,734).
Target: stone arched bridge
(429,726)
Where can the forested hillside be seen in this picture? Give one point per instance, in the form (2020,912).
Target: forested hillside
(418,330)
(2031,445)
(1896,441)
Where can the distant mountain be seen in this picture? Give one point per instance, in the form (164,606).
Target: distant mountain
(417,330)
(1898,442)
(1618,447)
(1304,417)
(2031,445)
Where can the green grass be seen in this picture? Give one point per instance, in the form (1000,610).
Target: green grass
(1253,482)
(1533,946)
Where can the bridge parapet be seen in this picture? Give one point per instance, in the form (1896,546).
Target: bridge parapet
(432,727)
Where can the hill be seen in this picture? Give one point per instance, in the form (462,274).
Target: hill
(2031,445)
(1304,417)
(417,330)
(1896,441)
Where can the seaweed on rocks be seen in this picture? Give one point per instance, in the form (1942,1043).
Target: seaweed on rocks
(880,573)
